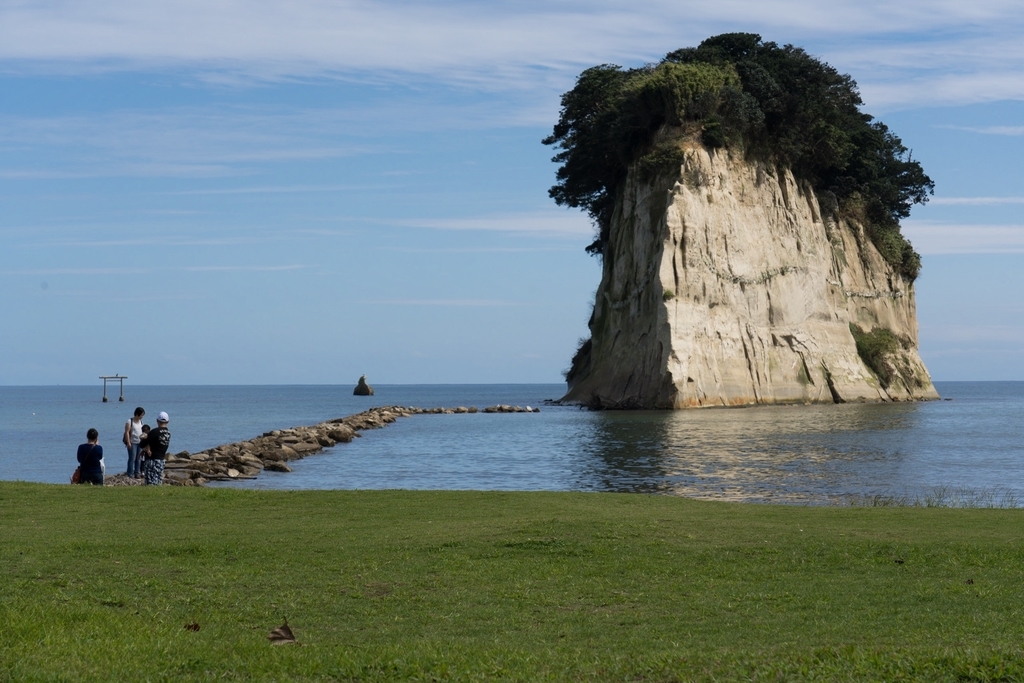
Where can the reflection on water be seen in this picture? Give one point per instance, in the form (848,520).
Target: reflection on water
(784,454)
(792,454)
(797,454)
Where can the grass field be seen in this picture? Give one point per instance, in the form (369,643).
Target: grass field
(100,583)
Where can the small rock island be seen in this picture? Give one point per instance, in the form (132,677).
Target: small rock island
(362,388)
(747,217)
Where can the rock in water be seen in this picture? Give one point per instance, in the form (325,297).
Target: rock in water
(363,389)
(724,284)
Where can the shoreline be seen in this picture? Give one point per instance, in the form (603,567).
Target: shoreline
(273,450)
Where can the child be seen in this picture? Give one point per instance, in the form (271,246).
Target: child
(143,446)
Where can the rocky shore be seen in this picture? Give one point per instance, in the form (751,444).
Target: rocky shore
(273,450)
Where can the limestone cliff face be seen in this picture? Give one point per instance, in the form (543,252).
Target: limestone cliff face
(724,285)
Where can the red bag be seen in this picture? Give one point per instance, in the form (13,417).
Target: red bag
(77,476)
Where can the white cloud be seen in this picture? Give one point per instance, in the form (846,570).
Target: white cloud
(273,39)
(172,241)
(150,271)
(444,302)
(233,141)
(522,54)
(173,142)
(952,238)
(25,174)
(75,271)
(937,88)
(562,223)
(903,53)
(248,269)
(280,189)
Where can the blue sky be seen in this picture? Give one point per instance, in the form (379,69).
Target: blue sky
(303,192)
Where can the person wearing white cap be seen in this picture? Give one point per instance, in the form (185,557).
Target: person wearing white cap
(159,440)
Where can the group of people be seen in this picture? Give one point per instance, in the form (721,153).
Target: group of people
(147,450)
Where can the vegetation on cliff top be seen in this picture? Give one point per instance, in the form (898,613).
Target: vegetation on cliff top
(777,105)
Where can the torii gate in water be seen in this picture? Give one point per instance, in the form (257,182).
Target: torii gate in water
(111,378)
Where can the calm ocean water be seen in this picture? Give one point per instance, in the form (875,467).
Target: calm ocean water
(799,454)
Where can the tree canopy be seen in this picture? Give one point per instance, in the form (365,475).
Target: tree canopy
(775,104)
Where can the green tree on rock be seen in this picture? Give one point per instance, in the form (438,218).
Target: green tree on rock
(773,104)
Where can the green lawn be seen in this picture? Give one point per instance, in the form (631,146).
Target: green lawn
(99,584)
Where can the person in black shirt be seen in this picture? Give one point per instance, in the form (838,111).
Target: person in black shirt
(157,442)
(90,456)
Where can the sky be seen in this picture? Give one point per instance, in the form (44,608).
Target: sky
(302,192)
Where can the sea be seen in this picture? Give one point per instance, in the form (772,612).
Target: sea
(967,447)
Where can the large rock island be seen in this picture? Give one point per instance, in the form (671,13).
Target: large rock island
(727,278)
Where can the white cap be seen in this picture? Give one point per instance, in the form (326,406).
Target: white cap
(162,417)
